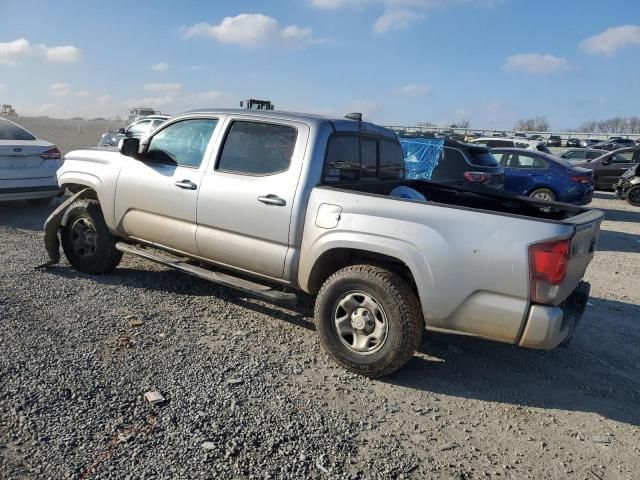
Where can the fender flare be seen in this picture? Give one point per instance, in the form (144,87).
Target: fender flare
(52,225)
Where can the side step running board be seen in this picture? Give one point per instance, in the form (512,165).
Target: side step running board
(224,279)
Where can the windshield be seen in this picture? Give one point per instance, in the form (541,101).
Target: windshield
(11,131)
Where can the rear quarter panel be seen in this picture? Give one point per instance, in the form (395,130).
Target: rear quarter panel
(470,266)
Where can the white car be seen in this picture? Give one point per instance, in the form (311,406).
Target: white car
(493,142)
(28,165)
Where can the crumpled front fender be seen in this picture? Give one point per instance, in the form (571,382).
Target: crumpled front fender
(52,225)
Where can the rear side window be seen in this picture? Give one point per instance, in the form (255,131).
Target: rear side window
(352,158)
(450,167)
(483,159)
(11,131)
(516,160)
(498,143)
(254,148)
(592,155)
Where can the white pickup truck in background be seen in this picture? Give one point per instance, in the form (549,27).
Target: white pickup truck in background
(272,203)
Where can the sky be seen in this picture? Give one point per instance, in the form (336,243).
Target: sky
(399,62)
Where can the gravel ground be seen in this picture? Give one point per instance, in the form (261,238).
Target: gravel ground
(247,393)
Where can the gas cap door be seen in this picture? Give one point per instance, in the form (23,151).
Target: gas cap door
(328,216)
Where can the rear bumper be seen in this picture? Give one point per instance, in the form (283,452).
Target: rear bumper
(547,327)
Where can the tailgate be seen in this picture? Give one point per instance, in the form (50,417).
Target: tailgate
(583,245)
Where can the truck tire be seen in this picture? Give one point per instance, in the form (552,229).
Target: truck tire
(633,196)
(543,194)
(368,319)
(86,240)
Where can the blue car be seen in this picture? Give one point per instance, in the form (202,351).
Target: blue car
(543,176)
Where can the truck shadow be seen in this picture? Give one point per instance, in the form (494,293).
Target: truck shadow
(599,371)
(22,215)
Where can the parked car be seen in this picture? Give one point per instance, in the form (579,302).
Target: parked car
(608,168)
(579,155)
(536,136)
(589,142)
(498,134)
(628,186)
(138,129)
(615,143)
(554,141)
(539,175)
(511,143)
(573,142)
(28,165)
(451,162)
(290,202)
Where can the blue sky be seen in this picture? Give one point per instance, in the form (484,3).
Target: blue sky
(398,61)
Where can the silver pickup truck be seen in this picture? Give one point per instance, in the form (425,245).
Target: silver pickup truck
(274,203)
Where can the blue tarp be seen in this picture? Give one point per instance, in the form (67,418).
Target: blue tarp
(421,156)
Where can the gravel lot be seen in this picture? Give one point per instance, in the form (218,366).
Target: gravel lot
(249,395)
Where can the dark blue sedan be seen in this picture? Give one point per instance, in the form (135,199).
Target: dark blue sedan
(543,176)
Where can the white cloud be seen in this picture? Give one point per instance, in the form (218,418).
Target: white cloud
(536,63)
(160,67)
(59,89)
(412,90)
(399,14)
(20,50)
(252,30)
(163,88)
(611,40)
(83,93)
(395,19)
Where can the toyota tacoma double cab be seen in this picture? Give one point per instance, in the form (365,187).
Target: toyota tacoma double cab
(273,204)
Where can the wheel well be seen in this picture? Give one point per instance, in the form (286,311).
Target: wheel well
(333,260)
(543,187)
(76,187)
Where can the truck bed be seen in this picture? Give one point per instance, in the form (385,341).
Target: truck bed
(480,198)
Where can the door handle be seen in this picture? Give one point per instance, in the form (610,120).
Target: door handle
(272,199)
(186,184)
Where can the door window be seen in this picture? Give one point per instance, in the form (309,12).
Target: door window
(254,148)
(516,160)
(626,157)
(182,143)
(592,155)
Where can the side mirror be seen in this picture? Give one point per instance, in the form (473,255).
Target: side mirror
(121,130)
(129,147)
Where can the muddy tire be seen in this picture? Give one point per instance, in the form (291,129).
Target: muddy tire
(86,240)
(543,194)
(633,196)
(368,319)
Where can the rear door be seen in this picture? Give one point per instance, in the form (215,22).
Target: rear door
(246,200)
(156,197)
(522,172)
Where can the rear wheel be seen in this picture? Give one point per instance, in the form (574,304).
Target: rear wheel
(86,240)
(368,319)
(543,194)
(633,196)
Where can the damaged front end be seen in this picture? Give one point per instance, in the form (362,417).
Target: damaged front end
(52,225)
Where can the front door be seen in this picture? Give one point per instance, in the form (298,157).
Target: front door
(246,199)
(156,196)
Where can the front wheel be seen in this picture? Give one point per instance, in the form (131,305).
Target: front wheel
(86,240)
(633,196)
(368,319)
(543,194)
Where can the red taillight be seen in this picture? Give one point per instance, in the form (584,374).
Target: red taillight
(548,263)
(477,177)
(51,154)
(584,179)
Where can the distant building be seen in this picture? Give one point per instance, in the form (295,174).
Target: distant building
(7,110)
